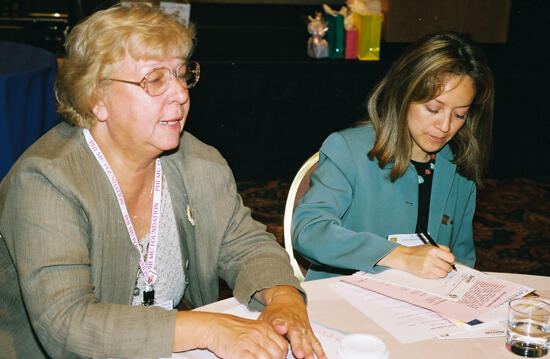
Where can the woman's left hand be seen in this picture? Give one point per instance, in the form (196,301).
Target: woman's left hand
(286,311)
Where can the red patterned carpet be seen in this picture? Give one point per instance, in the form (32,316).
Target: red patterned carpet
(511,225)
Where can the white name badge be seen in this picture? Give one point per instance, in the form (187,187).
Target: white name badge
(407,240)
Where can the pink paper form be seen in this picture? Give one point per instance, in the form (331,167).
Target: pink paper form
(482,297)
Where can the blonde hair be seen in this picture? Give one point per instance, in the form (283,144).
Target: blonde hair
(95,47)
(420,75)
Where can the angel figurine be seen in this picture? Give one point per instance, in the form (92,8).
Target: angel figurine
(317,46)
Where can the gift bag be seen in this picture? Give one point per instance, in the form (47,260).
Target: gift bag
(369,29)
(367,19)
(335,32)
(351,35)
(350,48)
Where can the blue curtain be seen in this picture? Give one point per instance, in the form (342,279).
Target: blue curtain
(27,101)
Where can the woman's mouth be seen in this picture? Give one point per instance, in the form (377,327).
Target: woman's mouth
(436,139)
(169,123)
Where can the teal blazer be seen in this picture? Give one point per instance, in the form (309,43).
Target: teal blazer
(344,220)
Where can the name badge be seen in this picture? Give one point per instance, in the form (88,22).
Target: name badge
(407,240)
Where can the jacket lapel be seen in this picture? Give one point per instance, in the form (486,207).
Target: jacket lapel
(444,176)
(178,184)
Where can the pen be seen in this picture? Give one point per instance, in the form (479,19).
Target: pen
(425,235)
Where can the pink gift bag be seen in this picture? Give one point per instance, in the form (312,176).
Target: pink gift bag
(350,49)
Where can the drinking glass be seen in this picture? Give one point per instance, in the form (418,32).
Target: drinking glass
(528,329)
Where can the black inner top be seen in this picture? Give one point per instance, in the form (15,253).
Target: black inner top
(424,194)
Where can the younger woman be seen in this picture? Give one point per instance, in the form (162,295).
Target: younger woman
(413,167)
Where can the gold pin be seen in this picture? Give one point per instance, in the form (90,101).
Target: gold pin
(189,213)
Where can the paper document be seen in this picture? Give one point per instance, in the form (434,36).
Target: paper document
(405,322)
(329,338)
(409,323)
(483,296)
(453,287)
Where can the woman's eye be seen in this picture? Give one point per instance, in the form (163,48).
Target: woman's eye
(461,116)
(154,78)
(430,110)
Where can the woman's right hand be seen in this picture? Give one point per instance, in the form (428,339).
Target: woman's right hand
(228,336)
(425,261)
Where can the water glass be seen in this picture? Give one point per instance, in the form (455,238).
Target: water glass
(528,329)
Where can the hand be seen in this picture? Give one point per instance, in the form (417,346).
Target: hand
(228,336)
(425,261)
(287,313)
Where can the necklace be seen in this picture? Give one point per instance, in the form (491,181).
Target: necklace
(424,169)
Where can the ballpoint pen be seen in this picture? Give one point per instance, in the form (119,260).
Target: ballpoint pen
(425,235)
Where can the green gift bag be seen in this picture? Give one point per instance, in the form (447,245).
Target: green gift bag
(335,35)
(370,30)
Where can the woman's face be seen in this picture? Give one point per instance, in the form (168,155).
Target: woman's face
(434,123)
(135,122)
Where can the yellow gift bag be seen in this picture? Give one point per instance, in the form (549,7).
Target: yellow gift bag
(369,28)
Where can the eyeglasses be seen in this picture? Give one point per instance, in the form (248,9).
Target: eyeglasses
(156,81)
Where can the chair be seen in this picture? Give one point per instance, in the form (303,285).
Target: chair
(298,188)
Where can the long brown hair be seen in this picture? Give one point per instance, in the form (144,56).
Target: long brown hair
(418,76)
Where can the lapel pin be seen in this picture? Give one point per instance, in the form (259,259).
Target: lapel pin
(189,213)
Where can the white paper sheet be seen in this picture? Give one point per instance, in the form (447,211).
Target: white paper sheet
(486,331)
(408,323)
(405,322)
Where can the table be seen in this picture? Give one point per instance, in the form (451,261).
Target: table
(27,101)
(327,307)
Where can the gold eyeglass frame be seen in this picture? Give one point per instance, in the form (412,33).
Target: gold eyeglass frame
(196,70)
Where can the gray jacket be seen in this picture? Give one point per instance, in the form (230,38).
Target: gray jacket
(68,267)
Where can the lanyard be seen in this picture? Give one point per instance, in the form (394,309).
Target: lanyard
(147,268)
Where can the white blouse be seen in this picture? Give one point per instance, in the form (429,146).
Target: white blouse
(170,283)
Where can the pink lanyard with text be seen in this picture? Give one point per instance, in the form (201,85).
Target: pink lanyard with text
(147,268)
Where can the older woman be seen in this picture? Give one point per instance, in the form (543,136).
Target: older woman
(114,216)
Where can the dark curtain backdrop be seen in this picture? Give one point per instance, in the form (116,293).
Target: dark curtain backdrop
(267,106)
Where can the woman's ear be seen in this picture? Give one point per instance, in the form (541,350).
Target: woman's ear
(100,111)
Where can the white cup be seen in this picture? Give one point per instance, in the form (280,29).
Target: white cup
(362,346)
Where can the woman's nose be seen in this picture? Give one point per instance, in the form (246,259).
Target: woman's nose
(180,89)
(444,122)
